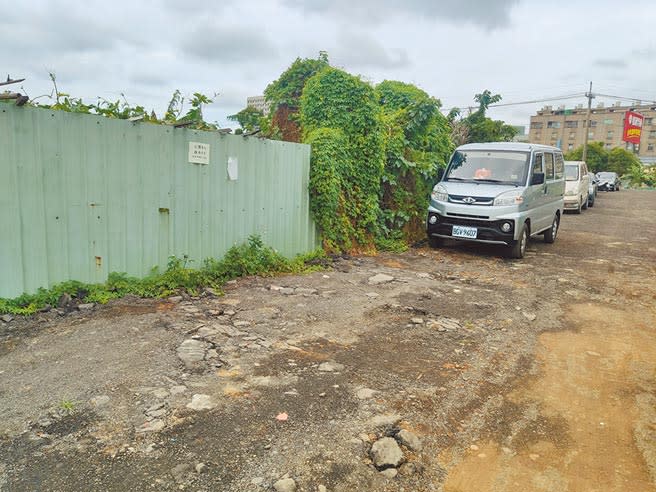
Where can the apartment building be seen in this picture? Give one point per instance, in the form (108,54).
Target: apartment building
(259,103)
(565,128)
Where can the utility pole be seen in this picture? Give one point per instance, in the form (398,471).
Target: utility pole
(590,97)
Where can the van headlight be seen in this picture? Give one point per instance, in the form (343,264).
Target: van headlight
(508,198)
(570,192)
(439,194)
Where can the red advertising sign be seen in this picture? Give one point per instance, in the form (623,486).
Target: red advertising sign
(632,127)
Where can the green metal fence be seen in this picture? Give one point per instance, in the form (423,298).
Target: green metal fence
(82,196)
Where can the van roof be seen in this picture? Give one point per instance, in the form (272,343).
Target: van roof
(516,146)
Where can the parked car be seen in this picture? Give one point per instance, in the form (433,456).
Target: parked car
(608,181)
(498,193)
(592,189)
(577,183)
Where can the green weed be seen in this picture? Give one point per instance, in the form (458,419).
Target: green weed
(250,258)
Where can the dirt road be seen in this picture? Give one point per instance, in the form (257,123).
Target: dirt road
(483,373)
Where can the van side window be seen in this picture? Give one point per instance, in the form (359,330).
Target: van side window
(549,165)
(537,163)
(560,166)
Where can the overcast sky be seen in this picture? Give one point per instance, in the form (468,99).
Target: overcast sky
(521,49)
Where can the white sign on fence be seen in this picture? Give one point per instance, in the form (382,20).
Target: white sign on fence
(233,168)
(199,153)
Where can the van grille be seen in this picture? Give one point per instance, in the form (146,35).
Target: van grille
(478,200)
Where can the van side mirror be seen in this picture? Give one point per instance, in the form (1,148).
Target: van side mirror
(537,179)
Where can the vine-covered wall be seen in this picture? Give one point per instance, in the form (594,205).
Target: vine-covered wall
(376,152)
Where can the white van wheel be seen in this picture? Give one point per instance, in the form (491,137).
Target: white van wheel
(578,209)
(585,203)
(518,249)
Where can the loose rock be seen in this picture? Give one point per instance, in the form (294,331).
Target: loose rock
(386,453)
(201,402)
(86,307)
(305,291)
(201,468)
(390,473)
(285,485)
(365,393)
(380,278)
(64,300)
(529,316)
(99,401)
(409,440)
(152,426)
(331,367)
(383,421)
(191,352)
(7,318)
(179,471)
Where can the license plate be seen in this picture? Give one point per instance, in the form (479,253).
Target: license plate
(462,231)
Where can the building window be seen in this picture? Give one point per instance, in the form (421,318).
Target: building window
(609,134)
(650,147)
(608,146)
(649,121)
(570,146)
(593,123)
(608,121)
(537,125)
(652,133)
(553,124)
(554,135)
(571,124)
(590,134)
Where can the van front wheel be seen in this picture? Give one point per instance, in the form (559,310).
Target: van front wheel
(550,234)
(435,242)
(518,249)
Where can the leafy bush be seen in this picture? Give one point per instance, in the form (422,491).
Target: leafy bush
(417,143)
(334,99)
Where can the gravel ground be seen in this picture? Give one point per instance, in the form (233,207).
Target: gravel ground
(450,370)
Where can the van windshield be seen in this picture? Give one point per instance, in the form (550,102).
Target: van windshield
(571,172)
(488,166)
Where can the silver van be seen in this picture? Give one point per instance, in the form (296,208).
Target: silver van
(498,193)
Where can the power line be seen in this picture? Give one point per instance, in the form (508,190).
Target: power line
(532,101)
(627,98)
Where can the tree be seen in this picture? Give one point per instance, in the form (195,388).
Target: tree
(284,95)
(248,118)
(597,159)
(477,127)
(623,162)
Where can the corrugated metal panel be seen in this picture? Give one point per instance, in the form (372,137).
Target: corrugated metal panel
(82,196)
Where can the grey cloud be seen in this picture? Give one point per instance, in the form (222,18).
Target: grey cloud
(646,53)
(486,13)
(230,45)
(149,79)
(610,63)
(360,51)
